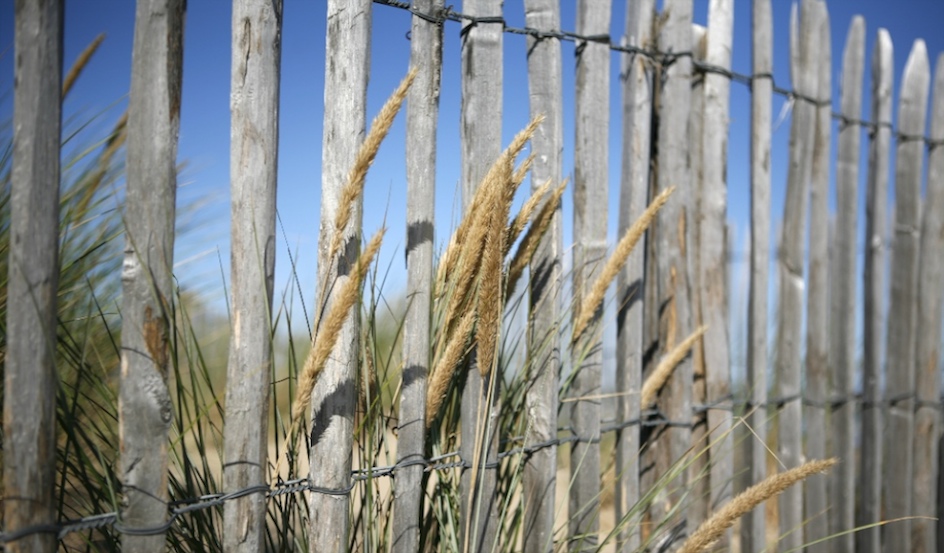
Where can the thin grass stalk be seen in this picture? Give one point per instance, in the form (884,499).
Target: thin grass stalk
(532,238)
(663,371)
(446,367)
(613,265)
(324,340)
(354,187)
(80,63)
(712,529)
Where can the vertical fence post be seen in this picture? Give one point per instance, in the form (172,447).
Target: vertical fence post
(903,311)
(546,97)
(698,471)
(591,107)
(804,38)
(634,196)
(843,292)
(29,403)
(481,121)
(145,412)
(712,251)
(672,260)
(254,147)
(347,54)
(753,534)
(874,311)
(815,500)
(426,40)
(927,416)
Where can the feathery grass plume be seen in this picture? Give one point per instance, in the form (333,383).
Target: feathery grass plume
(612,267)
(354,187)
(661,373)
(523,217)
(710,530)
(80,64)
(328,334)
(446,367)
(490,285)
(517,177)
(479,201)
(532,238)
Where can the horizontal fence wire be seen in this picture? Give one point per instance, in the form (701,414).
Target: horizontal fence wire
(662,58)
(648,418)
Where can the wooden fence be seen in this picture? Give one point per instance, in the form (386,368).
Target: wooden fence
(675,114)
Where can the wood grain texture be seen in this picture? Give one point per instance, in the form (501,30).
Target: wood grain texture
(672,261)
(333,398)
(753,529)
(844,282)
(713,254)
(903,308)
(545,89)
(145,413)
(30,381)
(874,301)
(480,136)
(815,499)
(426,41)
(928,354)
(638,72)
(788,363)
(254,154)
(591,149)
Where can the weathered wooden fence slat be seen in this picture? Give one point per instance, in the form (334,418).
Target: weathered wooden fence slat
(145,412)
(874,304)
(426,41)
(333,398)
(30,381)
(545,92)
(672,261)
(481,124)
(816,502)
(903,309)
(753,531)
(713,252)
(928,352)
(843,290)
(699,470)
(254,109)
(804,42)
(591,162)
(634,195)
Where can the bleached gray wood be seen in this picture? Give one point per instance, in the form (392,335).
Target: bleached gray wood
(804,42)
(675,319)
(634,196)
(30,381)
(698,471)
(928,378)
(843,291)
(713,253)
(254,154)
(545,89)
(144,407)
(481,118)
(753,529)
(426,40)
(347,54)
(876,209)
(591,179)
(815,500)
(903,310)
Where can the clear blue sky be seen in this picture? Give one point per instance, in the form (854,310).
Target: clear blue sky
(204,135)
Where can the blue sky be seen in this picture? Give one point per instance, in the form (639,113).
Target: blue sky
(204,135)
